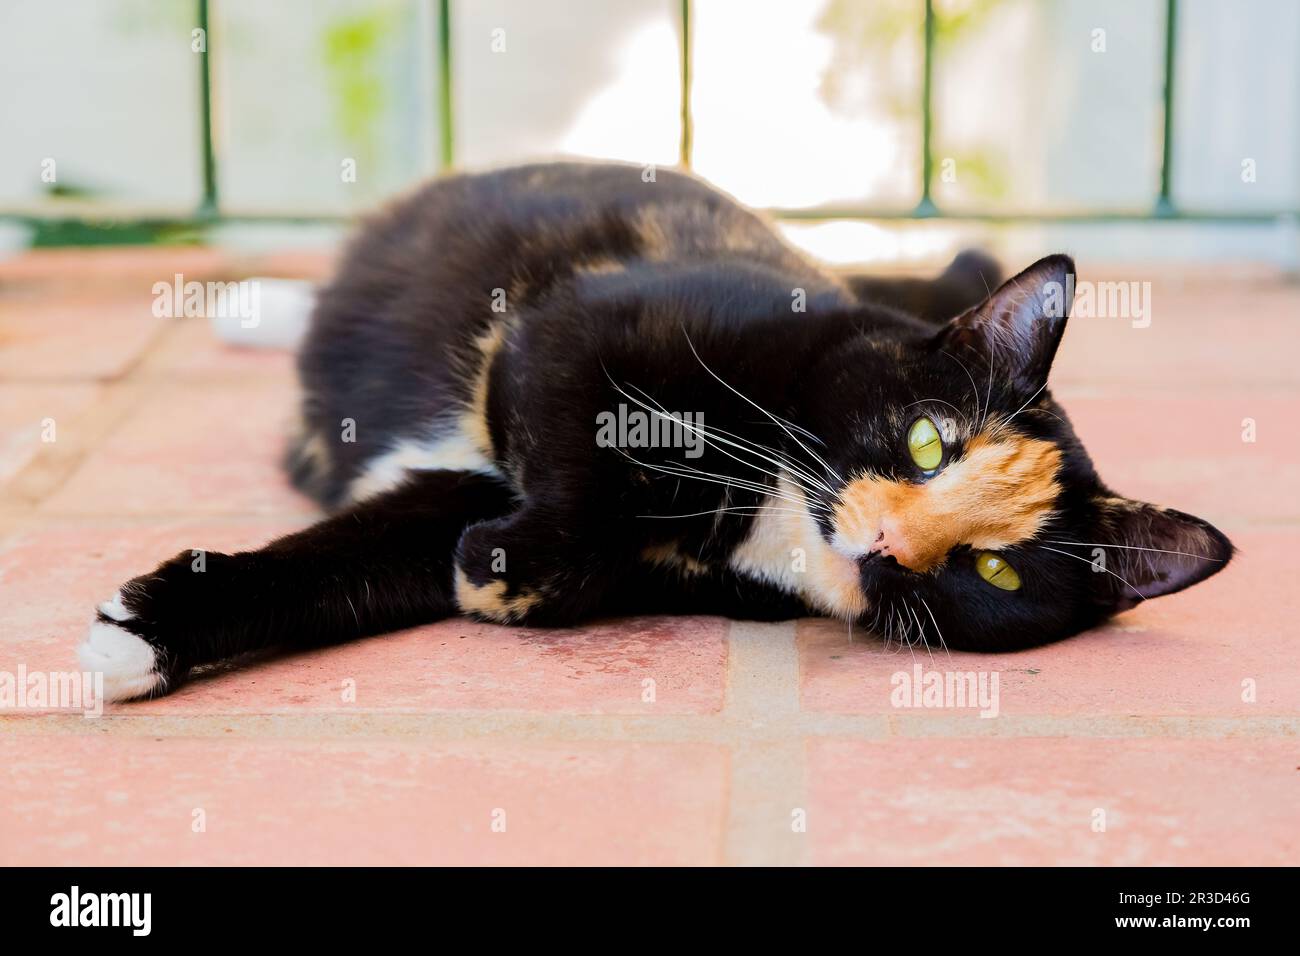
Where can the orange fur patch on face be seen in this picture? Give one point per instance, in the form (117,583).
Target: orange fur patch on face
(998,493)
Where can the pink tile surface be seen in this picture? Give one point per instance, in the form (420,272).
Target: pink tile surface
(114,265)
(1187,452)
(1202,338)
(99,800)
(289,263)
(1187,654)
(198,449)
(635,666)
(1033,802)
(23,412)
(81,335)
(191,352)
(55,577)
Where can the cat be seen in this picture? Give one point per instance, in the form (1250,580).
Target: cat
(554,392)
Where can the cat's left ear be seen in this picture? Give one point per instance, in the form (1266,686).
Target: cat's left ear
(1141,551)
(1019,326)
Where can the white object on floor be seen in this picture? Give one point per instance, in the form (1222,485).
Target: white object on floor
(280,315)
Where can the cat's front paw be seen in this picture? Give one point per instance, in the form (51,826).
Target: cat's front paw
(491,599)
(147,636)
(493,582)
(116,647)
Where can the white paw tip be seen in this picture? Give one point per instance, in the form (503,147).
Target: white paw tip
(126,660)
(115,609)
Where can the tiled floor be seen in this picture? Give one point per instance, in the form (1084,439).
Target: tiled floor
(1169,736)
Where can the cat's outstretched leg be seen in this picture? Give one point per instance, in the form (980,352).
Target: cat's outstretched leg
(539,566)
(382,565)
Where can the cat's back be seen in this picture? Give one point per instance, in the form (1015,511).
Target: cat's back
(558,214)
(423,296)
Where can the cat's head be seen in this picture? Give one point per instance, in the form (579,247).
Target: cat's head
(970,509)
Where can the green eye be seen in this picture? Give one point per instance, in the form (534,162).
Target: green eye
(996,571)
(924,443)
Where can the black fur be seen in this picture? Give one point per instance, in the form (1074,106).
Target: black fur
(620,291)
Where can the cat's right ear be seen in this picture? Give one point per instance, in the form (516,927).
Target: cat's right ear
(1017,328)
(1146,551)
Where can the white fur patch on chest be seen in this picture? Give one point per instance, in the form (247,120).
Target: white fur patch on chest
(453,451)
(786,549)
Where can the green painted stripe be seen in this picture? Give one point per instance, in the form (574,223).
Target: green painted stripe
(209,204)
(446,101)
(686,140)
(1165,202)
(926,208)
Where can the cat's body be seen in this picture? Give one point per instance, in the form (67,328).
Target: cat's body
(555,392)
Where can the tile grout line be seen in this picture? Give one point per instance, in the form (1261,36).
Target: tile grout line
(120,397)
(766,799)
(450,725)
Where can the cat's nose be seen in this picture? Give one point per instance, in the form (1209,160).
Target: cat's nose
(892,541)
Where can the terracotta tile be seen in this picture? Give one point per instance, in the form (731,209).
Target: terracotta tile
(114,264)
(190,352)
(637,666)
(198,449)
(1186,654)
(304,264)
(75,336)
(1188,452)
(1033,802)
(1200,339)
(131,801)
(24,410)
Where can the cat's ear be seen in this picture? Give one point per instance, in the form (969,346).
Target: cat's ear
(1018,327)
(1142,551)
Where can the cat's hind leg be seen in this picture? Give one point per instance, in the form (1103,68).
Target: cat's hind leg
(967,281)
(379,566)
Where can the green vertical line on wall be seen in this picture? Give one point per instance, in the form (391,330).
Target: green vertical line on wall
(209,204)
(687,123)
(446,119)
(926,206)
(1165,204)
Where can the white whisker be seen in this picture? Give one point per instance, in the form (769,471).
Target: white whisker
(1086,561)
(1133,547)
(774,418)
(696,429)
(942,643)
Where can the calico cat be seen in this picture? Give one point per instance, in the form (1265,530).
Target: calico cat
(555,392)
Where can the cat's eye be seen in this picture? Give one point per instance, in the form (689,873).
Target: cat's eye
(994,569)
(924,443)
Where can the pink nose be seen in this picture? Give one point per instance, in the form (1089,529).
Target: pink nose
(889,541)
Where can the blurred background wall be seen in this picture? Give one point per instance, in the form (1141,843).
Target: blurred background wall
(1046,118)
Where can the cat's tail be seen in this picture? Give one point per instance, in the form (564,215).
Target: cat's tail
(277,317)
